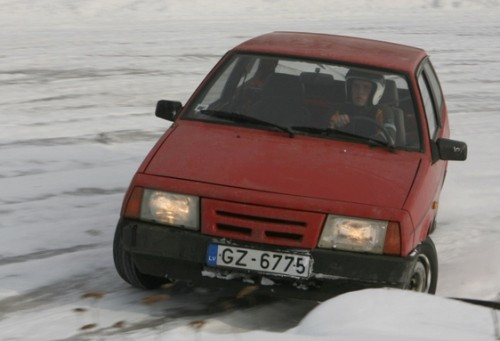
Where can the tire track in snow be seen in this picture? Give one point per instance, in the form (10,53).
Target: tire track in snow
(48,253)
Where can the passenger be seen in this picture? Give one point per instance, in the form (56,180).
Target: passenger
(250,91)
(265,69)
(363,92)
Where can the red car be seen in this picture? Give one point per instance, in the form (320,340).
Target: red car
(304,164)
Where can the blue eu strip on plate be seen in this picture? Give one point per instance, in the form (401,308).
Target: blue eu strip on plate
(212,254)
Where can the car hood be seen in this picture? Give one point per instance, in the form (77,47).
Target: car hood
(275,162)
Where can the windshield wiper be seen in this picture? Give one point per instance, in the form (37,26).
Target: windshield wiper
(241,118)
(387,144)
(337,132)
(328,132)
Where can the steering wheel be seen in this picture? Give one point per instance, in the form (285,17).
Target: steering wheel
(374,123)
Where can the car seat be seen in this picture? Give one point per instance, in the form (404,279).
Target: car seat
(282,101)
(390,98)
(322,92)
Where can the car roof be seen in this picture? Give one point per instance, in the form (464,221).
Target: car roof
(343,49)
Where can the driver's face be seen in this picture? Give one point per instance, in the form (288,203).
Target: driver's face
(361,90)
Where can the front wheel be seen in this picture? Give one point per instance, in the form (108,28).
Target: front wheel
(128,271)
(425,273)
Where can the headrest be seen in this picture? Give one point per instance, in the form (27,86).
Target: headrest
(317,84)
(323,86)
(316,79)
(283,86)
(390,96)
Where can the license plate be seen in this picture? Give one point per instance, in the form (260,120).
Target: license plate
(259,260)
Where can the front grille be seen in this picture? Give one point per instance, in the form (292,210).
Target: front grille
(261,224)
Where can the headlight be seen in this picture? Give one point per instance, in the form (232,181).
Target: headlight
(353,234)
(170,208)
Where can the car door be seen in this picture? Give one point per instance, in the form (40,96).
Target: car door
(436,125)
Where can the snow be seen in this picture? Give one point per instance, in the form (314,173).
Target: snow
(79,81)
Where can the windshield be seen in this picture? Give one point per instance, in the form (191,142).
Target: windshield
(318,99)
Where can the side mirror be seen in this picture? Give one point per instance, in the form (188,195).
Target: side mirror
(451,150)
(168,110)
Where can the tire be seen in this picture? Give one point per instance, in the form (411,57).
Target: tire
(127,270)
(425,272)
(433,226)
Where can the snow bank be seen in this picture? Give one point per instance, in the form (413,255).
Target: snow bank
(372,314)
(391,314)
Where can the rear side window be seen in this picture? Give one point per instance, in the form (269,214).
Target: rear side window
(430,113)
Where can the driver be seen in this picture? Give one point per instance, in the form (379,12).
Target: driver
(364,90)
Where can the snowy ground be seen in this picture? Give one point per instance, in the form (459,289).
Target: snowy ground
(79,81)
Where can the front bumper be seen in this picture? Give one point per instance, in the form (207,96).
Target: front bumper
(180,254)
